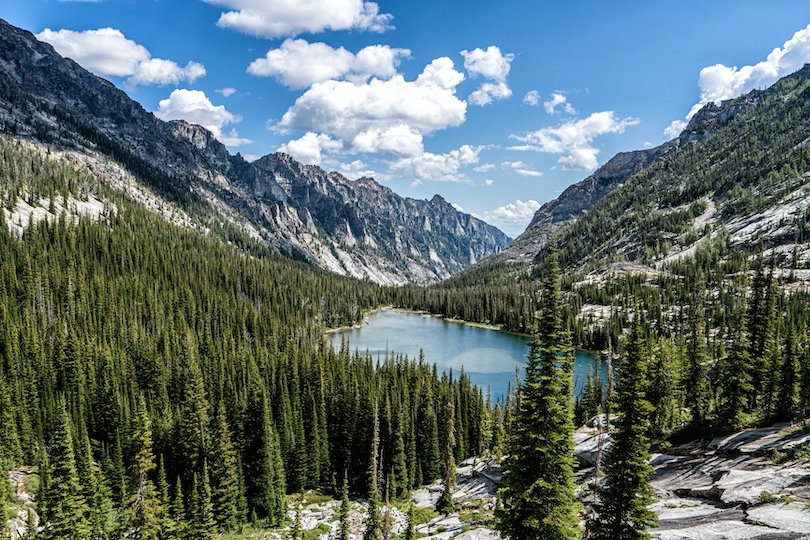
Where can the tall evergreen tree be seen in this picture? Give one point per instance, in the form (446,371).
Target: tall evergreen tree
(66,511)
(345,508)
(537,494)
(144,503)
(625,492)
(787,392)
(444,504)
(735,384)
(373,521)
(224,474)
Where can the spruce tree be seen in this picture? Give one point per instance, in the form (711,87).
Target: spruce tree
(537,494)
(66,511)
(695,384)
(345,507)
(625,491)
(373,522)
(399,459)
(735,384)
(410,532)
(144,502)
(444,504)
(224,474)
(787,393)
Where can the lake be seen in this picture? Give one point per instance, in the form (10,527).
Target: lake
(488,356)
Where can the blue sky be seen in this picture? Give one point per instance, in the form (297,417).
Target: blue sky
(384,88)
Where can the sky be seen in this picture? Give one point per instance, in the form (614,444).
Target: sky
(496,106)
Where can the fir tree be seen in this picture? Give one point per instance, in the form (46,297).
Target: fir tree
(537,494)
(410,532)
(66,511)
(224,474)
(625,492)
(787,391)
(373,523)
(735,384)
(345,507)
(144,503)
(400,468)
(444,504)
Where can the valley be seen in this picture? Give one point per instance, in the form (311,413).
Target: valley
(192,344)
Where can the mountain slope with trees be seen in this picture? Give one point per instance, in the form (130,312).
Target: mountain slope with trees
(356,228)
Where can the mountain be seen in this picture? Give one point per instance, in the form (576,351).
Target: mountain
(737,178)
(356,228)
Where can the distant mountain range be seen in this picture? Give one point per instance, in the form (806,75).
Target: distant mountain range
(358,228)
(738,175)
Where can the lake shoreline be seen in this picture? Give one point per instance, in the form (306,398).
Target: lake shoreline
(485,326)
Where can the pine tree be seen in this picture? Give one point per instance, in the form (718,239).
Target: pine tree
(444,505)
(410,532)
(224,475)
(400,468)
(66,511)
(625,492)
(144,503)
(735,384)
(345,507)
(537,494)
(695,387)
(787,392)
(373,523)
(203,525)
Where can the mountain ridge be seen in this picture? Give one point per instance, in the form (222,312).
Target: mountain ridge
(366,232)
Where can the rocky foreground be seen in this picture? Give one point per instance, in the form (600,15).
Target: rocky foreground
(754,484)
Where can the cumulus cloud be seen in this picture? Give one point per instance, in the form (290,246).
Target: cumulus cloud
(194,106)
(486,167)
(719,82)
(389,115)
(107,52)
(490,64)
(299,64)
(227,91)
(512,216)
(521,168)
(532,98)
(279,18)
(574,139)
(558,99)
(310,148)
(441,167)
(357,169)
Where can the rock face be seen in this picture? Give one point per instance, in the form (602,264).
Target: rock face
(357,228)
(728,489)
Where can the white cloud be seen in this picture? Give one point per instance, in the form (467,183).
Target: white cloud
(490,64)
(488,182)
(720,82)
(107,52)
(513,215)
(310,148)
(532,98)
(278,18)
(227,91)
(558,99)
(389,115)
(574,139)
(486,167)
(439,167)
(194,106)
(521,168)
(357,169)
(298,63)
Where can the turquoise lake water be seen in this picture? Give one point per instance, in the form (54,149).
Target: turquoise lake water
(488,356)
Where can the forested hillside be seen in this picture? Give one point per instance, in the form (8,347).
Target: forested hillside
(165,381)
